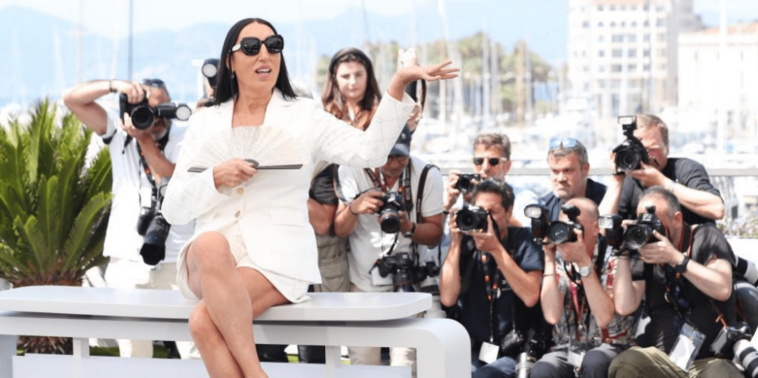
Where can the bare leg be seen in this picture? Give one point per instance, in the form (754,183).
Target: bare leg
(222,324)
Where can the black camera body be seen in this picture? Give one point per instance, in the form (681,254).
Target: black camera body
(389,213)
(630,153)
(614,232)
(641,232)
(143,116)
(540,221)
(471,218)
(404,271)
(527,350)
(563,232)
(735,342)
(465,182)
(154,228)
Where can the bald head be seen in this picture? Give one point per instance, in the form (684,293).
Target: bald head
(588,215)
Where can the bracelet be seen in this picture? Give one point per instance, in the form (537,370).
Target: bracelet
(110,87)
(548,274)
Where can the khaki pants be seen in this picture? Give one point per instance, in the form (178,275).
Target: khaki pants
(332,262)
(127,274)
(372,356)
(651,362)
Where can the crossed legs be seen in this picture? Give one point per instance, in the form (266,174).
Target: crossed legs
(221,324)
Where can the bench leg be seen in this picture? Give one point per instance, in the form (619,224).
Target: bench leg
(7,352)
(333,361)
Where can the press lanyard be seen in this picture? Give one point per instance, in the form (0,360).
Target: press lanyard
(578,294)
(146,168)
(491,288)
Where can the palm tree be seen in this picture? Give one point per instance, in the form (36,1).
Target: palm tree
(53,206)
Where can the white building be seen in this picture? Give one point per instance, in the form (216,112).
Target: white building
(623,53)
(711,79)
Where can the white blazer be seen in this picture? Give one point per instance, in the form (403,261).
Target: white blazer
(271,208)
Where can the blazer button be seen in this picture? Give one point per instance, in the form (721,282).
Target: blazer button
(237,214)
(240,190)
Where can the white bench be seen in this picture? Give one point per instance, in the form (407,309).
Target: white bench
(330,319)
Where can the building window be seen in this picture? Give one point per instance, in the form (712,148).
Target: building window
(646,53)
(631,38)
(617,53)
(600,68)
(694,57)
(600,53)
(646,68)
(662,66)
(662,52)
(615,83)
(617,38)
(600,38)
(660,8)
(633,7)
(634,24)
(631,68)
(646,7)
(661,22)
(600,24)
(616,68)
(632,53)
(661,37)
(585,24)
(623,23)
(646,23)
(599,8)
(601,84)
(646,38)
(613,24)
(586,68)
(622,7)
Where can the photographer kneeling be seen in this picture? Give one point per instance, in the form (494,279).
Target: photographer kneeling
(577,297)
(688,293)
(144,145)
(492,273)
(388,214)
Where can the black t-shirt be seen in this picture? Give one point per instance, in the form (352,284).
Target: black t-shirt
(707,242)
(322,186)
(683,171)
(475,309)
(595,192)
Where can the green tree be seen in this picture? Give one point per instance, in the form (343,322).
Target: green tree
(53,208)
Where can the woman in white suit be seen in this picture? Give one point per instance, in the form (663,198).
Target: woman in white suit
(253,246)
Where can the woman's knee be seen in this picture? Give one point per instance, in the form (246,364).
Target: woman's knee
(210,250)
(200,324)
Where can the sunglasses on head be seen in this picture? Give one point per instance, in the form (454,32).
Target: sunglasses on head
(564,142)
(251,46)
(494,161)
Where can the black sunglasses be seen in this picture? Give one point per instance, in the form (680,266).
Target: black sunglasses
(493,161)
(251,46)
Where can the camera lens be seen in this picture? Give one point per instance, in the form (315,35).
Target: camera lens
(466,220)
(463,184)
(637,235)
(628,160)
(389,221)
(402,281)
(142,117)
(559,232)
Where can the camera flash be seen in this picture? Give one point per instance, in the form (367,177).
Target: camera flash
(627,120)
(534,211)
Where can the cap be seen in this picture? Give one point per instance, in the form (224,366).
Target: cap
(403,145)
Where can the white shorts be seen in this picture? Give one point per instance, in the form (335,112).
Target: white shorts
(293,289)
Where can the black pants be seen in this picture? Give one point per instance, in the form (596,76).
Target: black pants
(594,365)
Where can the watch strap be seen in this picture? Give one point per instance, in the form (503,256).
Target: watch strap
(682,266)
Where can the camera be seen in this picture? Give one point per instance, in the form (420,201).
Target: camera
(465,182)
(630,153)
(210,71)
(746,269)
(471,218)
(540,221)
(143,115)
(563,232)
(526,349)
(614,233)
(154,228)
(736,341)
(389,213)
(405,273)
(641,232)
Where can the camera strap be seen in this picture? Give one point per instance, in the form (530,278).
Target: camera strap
(492,289)
(404,188)
(146,168)
(578,295)
(675,288)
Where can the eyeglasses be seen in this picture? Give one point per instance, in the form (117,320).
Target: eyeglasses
(494,161)
(251,46)
(569,143)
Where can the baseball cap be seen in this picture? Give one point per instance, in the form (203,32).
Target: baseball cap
(402,146)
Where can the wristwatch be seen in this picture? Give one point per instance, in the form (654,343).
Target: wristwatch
(585,271)
(409,234)
(682,266)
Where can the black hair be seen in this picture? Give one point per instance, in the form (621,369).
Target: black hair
(496,187)
(226,88)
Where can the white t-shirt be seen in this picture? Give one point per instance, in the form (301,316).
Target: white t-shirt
(132,190)
(368,242)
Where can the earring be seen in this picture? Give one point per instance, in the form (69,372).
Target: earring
(232,75)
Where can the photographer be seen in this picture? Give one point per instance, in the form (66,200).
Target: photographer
(492,160)
(687,284)
(492,274)
(142,163)
(383,216)
(687,179)
(569,171)
(577,298)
